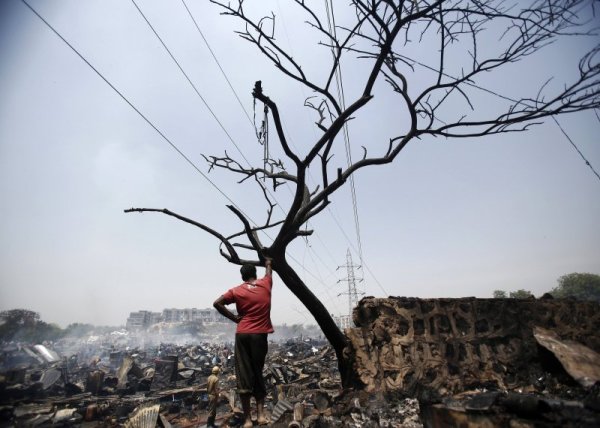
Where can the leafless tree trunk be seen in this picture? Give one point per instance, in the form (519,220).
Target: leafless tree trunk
(380,31)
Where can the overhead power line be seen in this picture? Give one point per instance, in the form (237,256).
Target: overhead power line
(341,96)
(202,98)
(189,80)
(504,97)
(252,122)
(587,162)
(218,63)
(338,224)
(214,115)
(149,122)
(124,98)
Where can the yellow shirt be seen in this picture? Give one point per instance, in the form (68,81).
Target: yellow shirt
(212,386)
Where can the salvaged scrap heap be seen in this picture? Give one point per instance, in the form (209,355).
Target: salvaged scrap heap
(418,362)
(483,361)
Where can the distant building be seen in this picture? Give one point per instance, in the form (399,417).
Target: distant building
(154,318)
(172,315)
(143,319)
(343,321)
(208,315)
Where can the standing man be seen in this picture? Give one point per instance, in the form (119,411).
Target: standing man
(252,299)
(212,389)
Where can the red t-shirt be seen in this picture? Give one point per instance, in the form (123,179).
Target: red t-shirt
(253,302)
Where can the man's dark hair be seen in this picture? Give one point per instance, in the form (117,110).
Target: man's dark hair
(248,272)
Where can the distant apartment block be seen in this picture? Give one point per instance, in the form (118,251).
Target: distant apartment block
(343,321)
(143,319)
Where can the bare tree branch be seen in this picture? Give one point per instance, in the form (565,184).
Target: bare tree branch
(472,38)
(232,255)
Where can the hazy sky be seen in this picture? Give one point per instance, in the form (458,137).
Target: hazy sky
(449,218)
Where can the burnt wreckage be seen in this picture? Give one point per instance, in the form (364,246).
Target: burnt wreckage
(483,361)
(419,362)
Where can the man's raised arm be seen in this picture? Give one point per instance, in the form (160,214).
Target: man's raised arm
(268,266)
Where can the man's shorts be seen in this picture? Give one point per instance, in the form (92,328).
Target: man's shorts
(250,352)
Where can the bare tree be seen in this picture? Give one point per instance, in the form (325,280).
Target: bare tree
(443,106)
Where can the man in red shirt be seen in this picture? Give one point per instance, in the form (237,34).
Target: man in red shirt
(252,299)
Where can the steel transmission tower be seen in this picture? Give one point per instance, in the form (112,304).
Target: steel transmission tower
(352,292)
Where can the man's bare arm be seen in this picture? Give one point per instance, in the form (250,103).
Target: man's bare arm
(268,266)
(219,305)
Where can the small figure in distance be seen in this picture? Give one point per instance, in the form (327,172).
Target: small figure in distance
(212,389)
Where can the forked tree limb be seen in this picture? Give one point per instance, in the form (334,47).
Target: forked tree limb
(231,255)
(377,36)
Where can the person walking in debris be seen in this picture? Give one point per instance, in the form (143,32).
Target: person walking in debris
(253,303)
(212,389)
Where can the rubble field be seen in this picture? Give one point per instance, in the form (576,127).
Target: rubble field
(419,362)
(165,385)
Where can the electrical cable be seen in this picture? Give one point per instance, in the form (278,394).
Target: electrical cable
(331,298)
(346,133)
(149,122)
(345,235)
(341,96)
(190,81)
(218,63)
(575,147)
(202,98)
(216,118)
(228,82)
(504,97)
(187,159)
(144,117)
(336,221)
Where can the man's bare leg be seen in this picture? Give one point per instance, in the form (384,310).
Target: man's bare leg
(245,399)
(260,411)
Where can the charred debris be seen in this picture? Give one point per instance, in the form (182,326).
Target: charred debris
(419,362)
(165,385)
